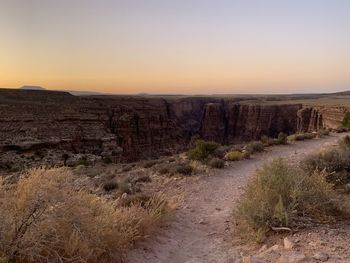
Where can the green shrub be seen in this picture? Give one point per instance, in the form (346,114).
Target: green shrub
(346,120)
(183,168)
(216,163)
(234,156)
(278,195)
(255,147)
(202,150)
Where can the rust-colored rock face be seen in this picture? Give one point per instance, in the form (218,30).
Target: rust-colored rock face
(133,127)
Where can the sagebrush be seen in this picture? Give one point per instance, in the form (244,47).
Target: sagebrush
(279,195)
(48,219)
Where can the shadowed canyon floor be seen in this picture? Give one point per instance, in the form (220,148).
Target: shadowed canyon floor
(201,230)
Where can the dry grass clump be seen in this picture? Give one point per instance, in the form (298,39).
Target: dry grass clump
(216,163)
(149,164)
(345,143)
(322,132)
(335,161)
(254,147)
(234,156)
(202,150)
(48,220)
(183,169)
(346,120)
(302,136)
(281,139)
(282,196)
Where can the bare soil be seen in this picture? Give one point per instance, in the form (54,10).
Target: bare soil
(201,230)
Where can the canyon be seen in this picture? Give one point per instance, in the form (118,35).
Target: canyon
(129,128)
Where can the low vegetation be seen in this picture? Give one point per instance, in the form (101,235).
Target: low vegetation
(254,147)
(183,169)
(202,150)
(302,136)
(279,195)
(50,219)
(281,139)
(346,121)
(216,163)
(234,156)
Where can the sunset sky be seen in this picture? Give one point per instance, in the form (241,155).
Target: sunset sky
(176,46)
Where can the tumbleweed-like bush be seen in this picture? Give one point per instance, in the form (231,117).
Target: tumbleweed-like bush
(46,218)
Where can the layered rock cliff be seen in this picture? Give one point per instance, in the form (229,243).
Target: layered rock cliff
(131,127)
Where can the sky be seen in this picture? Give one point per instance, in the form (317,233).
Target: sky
(176,46)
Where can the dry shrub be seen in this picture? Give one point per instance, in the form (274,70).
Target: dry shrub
(183,169)
(302,136)
(216,163)
(281,196)
(47,220)
(345,143)
(335,161)
(281,139)
(255,147)
(234,156)
(322,132)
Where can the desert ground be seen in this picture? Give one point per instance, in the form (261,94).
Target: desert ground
(202,228)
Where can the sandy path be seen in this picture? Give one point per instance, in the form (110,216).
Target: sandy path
(200,232)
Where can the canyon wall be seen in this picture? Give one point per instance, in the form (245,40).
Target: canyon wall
(129,128)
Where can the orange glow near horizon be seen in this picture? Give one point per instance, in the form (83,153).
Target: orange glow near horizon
(186,47)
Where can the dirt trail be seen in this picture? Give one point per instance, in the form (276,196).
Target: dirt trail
(200,233)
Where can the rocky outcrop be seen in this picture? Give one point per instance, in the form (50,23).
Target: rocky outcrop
(132,127)
(309,119)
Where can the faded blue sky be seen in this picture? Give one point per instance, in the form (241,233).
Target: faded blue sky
(183,46)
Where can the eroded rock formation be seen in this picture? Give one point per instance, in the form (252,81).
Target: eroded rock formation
(130,127)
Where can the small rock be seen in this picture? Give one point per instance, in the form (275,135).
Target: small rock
(321,256)
(202,222)
(288,244)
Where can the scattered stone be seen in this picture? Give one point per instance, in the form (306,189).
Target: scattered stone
(321,256)
(202,222)
(288,244)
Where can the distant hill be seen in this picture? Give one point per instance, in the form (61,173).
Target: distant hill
(342,93)
(32,88)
